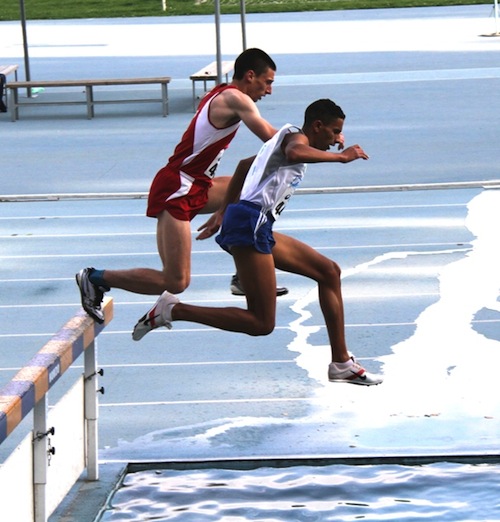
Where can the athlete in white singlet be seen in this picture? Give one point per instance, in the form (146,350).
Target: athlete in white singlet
(272,180)
(247,234)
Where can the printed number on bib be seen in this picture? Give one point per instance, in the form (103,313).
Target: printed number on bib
(287,194)
(281,203)
(212,168)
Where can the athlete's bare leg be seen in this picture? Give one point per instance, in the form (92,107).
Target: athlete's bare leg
(260,316)
(174,246)
(296,257)
(257,273)
(173,238)
(216,194)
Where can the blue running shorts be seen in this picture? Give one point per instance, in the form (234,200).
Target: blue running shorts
(238,228)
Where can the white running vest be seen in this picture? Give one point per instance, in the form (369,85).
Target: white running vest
(271,181)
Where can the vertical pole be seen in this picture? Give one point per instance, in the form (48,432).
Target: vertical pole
(25,45)
(40,448)
(496,16)
(217,41)
(243,24)
(91,411)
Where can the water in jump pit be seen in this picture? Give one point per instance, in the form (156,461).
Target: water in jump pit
(439,492)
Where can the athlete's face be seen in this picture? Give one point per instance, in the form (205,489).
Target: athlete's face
(329,135)
(260,85)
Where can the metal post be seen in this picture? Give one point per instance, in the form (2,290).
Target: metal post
(243,24)
(217,41)
(496,17)
(40,449)
(91,411)
(25,45)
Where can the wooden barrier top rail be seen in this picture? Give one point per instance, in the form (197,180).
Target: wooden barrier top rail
(31,383)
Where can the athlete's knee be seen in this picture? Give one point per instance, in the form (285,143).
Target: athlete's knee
(335,268)
(176,283)
(264,327)
(330,272)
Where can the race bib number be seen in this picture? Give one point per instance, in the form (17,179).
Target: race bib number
(212,168)
(281,203)
(287,194)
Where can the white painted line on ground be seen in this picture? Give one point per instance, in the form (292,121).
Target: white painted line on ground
(289,211)
(208,330)
(202,401)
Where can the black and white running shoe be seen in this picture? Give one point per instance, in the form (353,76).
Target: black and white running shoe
(91,294)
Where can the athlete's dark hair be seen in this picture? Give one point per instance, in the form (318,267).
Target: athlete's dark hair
(252,60)
(324,110)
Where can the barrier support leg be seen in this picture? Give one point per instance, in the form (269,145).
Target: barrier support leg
(40,455)
(91,410)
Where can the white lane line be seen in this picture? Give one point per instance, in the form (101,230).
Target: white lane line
(183,364)
(60,218)
(208,330)
(203,329)
(347,296)
(349,223)
(431,75)
(201,401)
(166,365)
(214,251)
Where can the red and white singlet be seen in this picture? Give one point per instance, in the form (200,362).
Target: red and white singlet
(181,187)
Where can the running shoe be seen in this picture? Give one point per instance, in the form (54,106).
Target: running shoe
(159,315)
(237,289)
(354,374)
(91,294)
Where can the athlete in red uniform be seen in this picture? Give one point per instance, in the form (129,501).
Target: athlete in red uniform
(186,185)
(182,186)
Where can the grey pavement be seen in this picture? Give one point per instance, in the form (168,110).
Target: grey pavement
(420,88)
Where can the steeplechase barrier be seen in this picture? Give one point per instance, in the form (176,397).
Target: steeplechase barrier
(39,473)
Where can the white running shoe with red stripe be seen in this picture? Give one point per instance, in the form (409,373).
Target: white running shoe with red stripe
(353,374)
(159,315)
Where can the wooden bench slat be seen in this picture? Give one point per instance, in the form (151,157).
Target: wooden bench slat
(83,83)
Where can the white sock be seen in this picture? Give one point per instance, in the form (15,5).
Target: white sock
(342,365)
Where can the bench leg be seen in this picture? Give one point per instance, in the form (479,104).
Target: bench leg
(89,95)
(14,107)
(164,98)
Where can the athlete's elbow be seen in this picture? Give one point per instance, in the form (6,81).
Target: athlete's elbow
(294,156)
